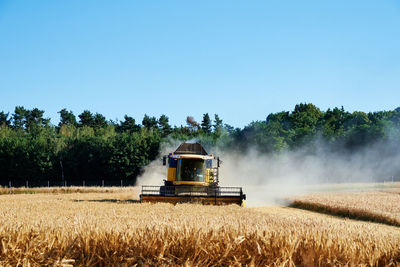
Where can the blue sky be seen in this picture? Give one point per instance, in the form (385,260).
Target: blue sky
(239,59)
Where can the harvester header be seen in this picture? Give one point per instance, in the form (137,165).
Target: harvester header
(193,176)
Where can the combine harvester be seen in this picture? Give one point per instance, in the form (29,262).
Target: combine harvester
(192,178)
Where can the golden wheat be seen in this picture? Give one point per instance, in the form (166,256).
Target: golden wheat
(374,206)
(108,229)
(66,190)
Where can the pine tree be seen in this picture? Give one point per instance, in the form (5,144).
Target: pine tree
(206,123)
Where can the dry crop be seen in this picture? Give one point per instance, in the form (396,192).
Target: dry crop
(372,206)
(65,190)
(352,187)
(109,229)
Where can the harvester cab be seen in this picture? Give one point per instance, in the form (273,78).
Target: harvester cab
(193,176)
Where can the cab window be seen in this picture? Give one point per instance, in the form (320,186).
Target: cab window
(192,170)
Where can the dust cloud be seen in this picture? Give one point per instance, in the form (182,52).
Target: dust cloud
(155,172)
(269,179)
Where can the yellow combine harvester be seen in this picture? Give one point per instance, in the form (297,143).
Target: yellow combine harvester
(192,177)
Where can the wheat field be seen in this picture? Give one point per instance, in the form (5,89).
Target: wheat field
(381,207)
(109,229)
(67,190)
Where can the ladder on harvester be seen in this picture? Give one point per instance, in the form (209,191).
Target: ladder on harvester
(214,176)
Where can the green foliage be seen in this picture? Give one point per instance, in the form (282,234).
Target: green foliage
(206,123)
(19,117)
(164,125)
(149,122)
(67,118)
(99,121)
(86,119)
(217,124)
(34,118)
(304,119)
(96,149)
(4,119)
(128,125)
(333,123)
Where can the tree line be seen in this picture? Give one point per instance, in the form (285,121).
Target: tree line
(90,148)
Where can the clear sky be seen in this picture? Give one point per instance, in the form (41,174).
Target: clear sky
(239,59)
